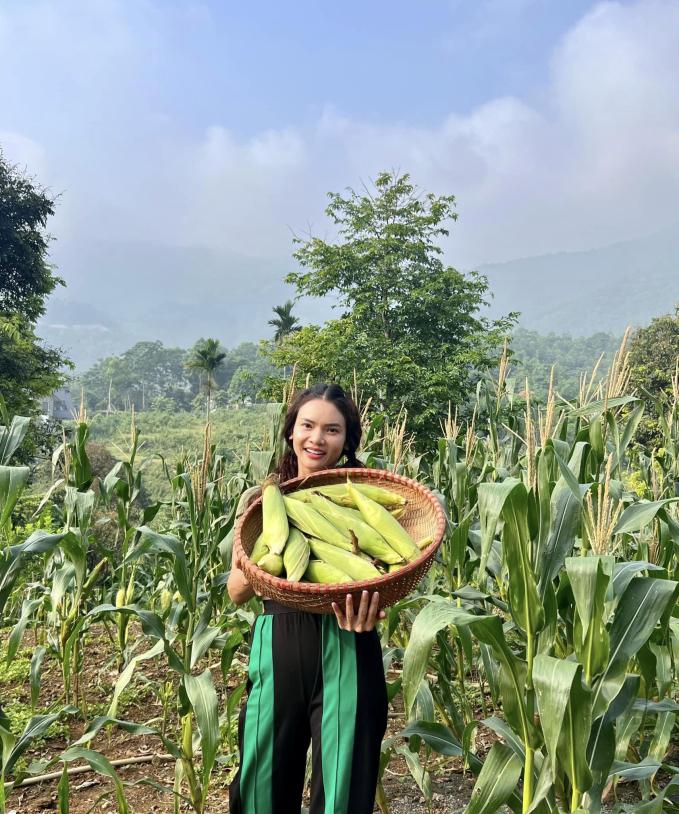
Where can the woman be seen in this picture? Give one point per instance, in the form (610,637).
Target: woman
(312,678)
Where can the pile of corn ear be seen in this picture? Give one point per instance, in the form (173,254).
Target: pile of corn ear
(333,534)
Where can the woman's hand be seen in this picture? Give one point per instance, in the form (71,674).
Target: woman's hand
(238,587)
(367,615)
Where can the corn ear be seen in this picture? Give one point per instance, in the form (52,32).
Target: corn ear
(380,519)
(272,564)
(296,555)
(274,517)
(338,493)
(259,549)
(308,520)
(324,573)
(356,567)
(369,540)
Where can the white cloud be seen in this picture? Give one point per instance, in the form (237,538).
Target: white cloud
(596,161)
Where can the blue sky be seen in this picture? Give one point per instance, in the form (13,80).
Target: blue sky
(223,125)
(280,63)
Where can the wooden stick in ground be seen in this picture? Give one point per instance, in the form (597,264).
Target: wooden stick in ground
(72,770)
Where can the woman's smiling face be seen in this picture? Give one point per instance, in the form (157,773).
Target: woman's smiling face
(318,436)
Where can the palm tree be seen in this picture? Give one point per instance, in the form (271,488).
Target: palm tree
(206,356)
(284,322)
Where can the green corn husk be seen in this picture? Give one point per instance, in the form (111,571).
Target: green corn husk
(324,573)
(259,549)
(338,493)
(396,567)
(380,519)
(296,555)
(308,520)
(356,567)
(369,540)
(272,564)
(274,517)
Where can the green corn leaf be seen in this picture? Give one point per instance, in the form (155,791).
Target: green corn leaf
(601,747)
(101,721)
(639,610)
(589,579)
(492,497)
(496,781)
(437,736)
(13,479)
(126,676)
(420,774)
(63,793)
(203,698)
(12,436)
(527,610)
(433,617)
(597,407)
(167,545)
(102,766)
(34,673)
(624,573)
(638,515)
(501,728)
(37,726)
(13,558)
(28,607)
(565,706)
(565,512)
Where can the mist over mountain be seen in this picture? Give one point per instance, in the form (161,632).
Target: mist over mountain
(582,293)
(126,292)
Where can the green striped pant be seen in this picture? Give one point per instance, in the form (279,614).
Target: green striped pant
(310,682)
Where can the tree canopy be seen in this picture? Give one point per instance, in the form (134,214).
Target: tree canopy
(411,332)
(653,358)
(28,368)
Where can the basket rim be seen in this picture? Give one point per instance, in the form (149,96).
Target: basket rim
(358,473)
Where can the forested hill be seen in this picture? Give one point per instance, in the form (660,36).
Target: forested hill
(583,293)
(145,292)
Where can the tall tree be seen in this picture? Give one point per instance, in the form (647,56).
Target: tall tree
(653,358)
(285,322)
(28,368)
(410,327)
(206,357)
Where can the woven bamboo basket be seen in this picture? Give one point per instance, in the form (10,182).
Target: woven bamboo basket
(423,517)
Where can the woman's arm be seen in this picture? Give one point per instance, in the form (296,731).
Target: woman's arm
(237,585)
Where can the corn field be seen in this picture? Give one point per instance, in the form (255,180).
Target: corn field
(539,655)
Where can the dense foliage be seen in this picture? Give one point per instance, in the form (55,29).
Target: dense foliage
(411,334)
(152,376)
(28,369)
(654,351)
(534,356)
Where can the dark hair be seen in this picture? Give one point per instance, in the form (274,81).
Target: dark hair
(287,467)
